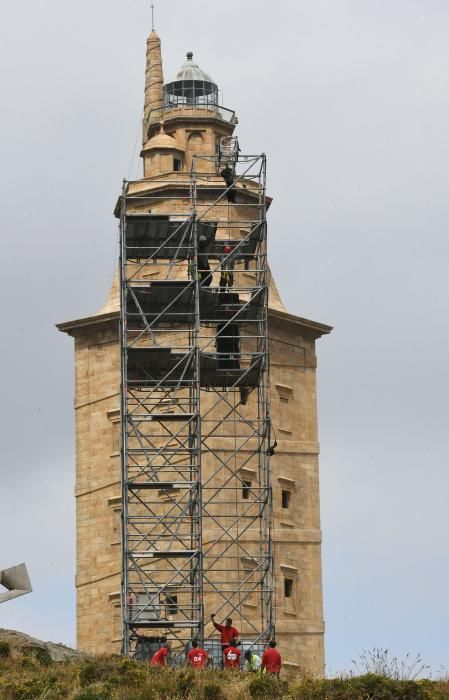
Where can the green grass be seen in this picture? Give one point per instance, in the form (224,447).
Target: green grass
(27,676)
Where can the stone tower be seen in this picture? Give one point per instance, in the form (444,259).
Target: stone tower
(170,138)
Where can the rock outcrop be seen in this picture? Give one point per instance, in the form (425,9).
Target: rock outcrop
(23,643)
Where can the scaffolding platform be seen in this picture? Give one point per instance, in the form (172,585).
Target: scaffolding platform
(160,238)
(218,305)
(161,300)
(162,417)
(161,485)
(150,366)
(173,301)
(169,554)
(163,624)
(241,248)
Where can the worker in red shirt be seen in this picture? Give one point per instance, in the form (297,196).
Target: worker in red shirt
(232,655)
(271,660)
(227,632)
(197,657)
(160,657)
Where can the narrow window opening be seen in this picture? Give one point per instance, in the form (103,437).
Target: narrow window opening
(116,524)
(284,412)
(176,164)
(116,436)
(285,498)
(288,587)
(246,489)
(172,604)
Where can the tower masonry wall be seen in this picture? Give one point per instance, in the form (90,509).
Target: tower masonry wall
(296,505)
(97,490)
(296,533)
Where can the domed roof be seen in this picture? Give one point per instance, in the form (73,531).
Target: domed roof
(191,71)
(162,140)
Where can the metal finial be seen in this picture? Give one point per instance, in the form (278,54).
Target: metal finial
(152,17)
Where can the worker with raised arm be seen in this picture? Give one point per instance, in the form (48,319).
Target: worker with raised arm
(271,660)
(227,632)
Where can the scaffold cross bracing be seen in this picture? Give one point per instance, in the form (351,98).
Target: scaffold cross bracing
(195,413)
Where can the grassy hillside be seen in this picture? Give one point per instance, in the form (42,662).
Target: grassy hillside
(34,675)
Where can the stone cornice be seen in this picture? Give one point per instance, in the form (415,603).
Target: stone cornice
(176,185)
(316,328)
(70,327)
(199,118)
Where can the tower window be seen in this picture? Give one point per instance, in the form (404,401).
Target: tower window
(288,587)
(284,412)
(246,489)
(177,164)
(285,394)
(116,436)
(285,498)
(172,604)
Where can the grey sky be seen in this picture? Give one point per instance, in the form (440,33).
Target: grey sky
(350,101)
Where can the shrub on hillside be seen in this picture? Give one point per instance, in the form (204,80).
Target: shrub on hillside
(27,688)
(97,670)
(127,673)
(115,678)
(185,681)
(268,686)
(5,649)
(212,690)
(368,686)
(95,691)
(39,654)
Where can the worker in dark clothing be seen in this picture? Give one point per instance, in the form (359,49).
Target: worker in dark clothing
(227,268)
(228,177)
(204,272)
(228,335)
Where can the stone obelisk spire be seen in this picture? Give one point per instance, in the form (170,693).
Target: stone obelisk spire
(154,81)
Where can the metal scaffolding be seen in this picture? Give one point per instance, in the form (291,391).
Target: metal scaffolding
(196,492)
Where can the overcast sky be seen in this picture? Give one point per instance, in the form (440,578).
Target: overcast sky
(350,101)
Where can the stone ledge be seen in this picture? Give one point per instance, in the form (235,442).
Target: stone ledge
(299,626)
(95,487)
(295,536)
(79,581)
(226,443)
